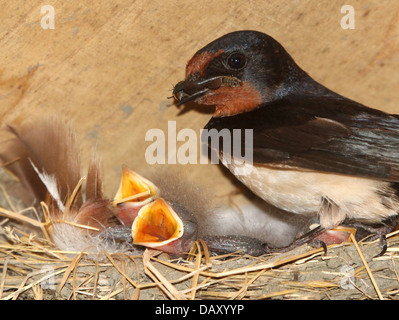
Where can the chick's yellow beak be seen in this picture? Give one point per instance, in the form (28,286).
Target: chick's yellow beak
(135,189)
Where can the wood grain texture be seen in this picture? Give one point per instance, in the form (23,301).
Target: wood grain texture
(109,66)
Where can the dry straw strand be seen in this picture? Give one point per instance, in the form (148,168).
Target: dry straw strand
(377,290)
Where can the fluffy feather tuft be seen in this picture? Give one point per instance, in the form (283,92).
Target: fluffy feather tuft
(44,155)
(50,144)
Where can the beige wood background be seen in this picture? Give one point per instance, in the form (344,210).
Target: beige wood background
(109,66)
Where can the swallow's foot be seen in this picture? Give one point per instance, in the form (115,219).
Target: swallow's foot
(306,238)
(372,232)
(317,243)
(333,236)
(383,245)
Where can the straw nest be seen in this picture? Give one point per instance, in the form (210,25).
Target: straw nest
(31,267)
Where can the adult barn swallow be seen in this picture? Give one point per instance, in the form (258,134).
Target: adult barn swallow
(315,152)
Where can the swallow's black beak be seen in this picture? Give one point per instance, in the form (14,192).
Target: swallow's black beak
(194,88)
(188,90)
(165,226)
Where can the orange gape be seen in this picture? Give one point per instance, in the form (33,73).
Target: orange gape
(156,224)
(134,188)
(134,192)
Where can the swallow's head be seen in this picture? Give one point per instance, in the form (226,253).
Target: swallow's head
(237,73)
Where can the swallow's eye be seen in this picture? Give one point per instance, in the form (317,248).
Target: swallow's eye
(236,61)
